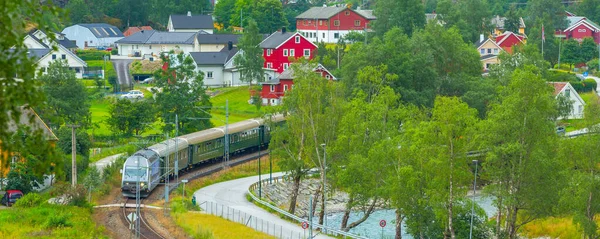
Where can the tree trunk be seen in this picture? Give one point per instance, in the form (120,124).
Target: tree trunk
(322,213)
(512,232)
(315,198)
(399,219)
(347,212)
(499,218)
(451,194)
(295,189)
(363,218)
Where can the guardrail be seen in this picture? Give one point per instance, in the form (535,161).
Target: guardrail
(327,230)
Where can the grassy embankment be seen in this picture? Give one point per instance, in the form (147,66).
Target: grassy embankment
(239,109)
(552,227)
(208,226)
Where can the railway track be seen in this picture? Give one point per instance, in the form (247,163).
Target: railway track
(145,230)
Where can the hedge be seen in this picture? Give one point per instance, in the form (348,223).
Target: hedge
(88,55)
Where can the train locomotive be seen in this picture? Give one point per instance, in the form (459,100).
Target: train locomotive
(148,166)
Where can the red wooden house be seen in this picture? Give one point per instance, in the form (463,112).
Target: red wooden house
(508,39)
(273,91)
(329,24)
(279,47)
(580,28)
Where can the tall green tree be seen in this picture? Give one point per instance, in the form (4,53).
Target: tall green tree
(571,52)
(589,49)
(223,11)
(79,12)
(270,15)
(129,116)
(67,100)
(408,15)
(590,9)
(182,95)
(470,17)
(521,142)
(242,12)
(549,13)
(17,69)
(291,10)
(251,62)
(513,20)
(580,196)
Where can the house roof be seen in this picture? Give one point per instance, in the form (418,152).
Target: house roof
(276,39)
(498,22)
(271,82)
(38,53)
(479,44)
(192,22)
(213,58)
(288,74)
(368,14)
(506,35)
(132,30)
(574,19)
(218,38)
(36,124)
(156,37)
(488,56)
(558,87)
(328,12)
(589,24)
(102,30)
(67,43)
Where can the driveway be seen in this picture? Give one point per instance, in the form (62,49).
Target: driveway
(231,194)
(122,69)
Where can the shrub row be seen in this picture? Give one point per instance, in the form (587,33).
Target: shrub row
(584,86)
(88,55)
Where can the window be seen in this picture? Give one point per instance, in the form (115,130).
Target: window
(292,87)
(347,13)
(292,52)
(581,109)
(489,50)
(63,56)
(336,35)
(150,47)
(568,93)
(209,74)
(323,35)
(357,23)
(285,52)
(487,65)
(327,77)
(495,50)
(269,65)
(304,22)
(77,70)
(285,87)
(336,23)
(272,88)
(137,47)
(53,56)
(320,22)
(482,51)
(268,52)
(297,39)
(285,66)
(306,52)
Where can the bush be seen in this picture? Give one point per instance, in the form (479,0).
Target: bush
(58,220)
(557,76)
(563,66)
(76,196)
(578,86)
(88,55)
(30,200)
(590,84)
(114,51)
(593,64)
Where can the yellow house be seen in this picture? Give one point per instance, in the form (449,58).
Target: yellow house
(498,24)
(36,123)
(488,52)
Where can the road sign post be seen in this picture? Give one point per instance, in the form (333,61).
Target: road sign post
(382,224)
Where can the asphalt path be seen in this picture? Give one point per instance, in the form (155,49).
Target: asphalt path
(232,194)
(122,69)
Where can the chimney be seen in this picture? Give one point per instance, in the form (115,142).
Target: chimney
(189,14)
(229,45)
(480,37)
(283,30)
(357,8)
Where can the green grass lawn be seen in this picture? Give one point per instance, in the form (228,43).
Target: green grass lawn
(109,70)
(587,97)
(239,109)
(100,113)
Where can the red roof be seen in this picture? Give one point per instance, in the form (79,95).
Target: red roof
(558,86)
(131,30)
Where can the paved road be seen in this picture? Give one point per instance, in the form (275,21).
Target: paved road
(232,194)
(122,69)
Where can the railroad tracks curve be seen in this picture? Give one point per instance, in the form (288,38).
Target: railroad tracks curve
(130,216)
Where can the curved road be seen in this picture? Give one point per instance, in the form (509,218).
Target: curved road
(232,194)
(122,70)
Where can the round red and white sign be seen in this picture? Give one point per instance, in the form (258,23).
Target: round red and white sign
(304,225)
(382,223)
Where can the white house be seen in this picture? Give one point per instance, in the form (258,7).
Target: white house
(215,42)
(93,35)
(189,23)
(220,70)
(566,89)
(40,48)
(152,43)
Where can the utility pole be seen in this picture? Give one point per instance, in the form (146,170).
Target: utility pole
(73,155)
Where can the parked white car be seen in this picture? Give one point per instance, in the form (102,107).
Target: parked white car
(133,94)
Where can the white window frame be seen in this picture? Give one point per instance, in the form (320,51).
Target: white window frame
(306,52)
(269,65)
(357,23)
(209,74)
(272,88)
(292,52)
(327,77)
(336,23)
(285,88)
(286,66)
(285,52)
(482,51)
(297,39)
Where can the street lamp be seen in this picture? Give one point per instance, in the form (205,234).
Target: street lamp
(184,181)
(324,185)
(473,200)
